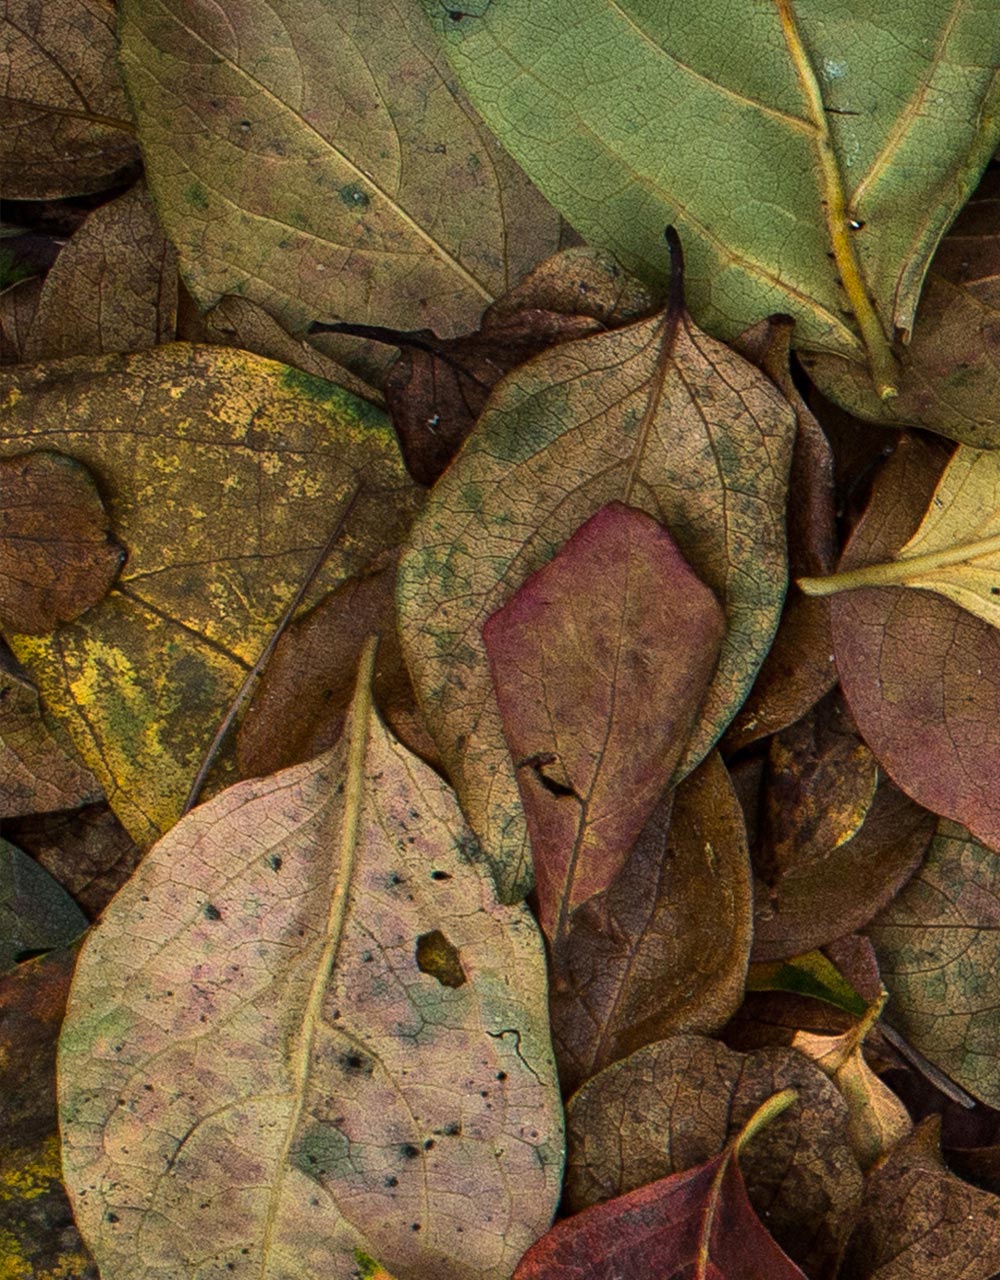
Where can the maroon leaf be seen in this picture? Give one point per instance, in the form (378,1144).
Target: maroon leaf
(600,662)
(695,1225)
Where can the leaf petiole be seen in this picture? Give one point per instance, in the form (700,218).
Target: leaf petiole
(897,573)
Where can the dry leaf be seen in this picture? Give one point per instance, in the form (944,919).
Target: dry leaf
(17,310)
(600,661)
(306,1027)
(655,415)
(58,557)
(36,912)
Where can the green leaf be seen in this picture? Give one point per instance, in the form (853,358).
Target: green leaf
(315,158)
(810,155)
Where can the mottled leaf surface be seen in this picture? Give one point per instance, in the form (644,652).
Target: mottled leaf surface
(58,556)
(664,949)
(655,415)
(316,158)
(600,661)
(225,474)
(65,128)
(938,952)
(789,145)
(299,1079)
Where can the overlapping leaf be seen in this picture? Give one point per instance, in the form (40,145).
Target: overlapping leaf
(317,159)
(36,912)
(655,415)
(225,474)
(306,1027)
(811,161)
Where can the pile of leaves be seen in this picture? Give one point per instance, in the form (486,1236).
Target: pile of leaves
(500,572)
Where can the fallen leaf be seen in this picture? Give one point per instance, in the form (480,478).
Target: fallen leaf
(600,661)
(38,763)
(112,288)
(36,912)
(66,125)
(580,281)
(664,949)
(810,974)
(87,850)
(39,1237)
(697,1223)
(877,1119)
(58,557)
(296,1083)
(655,415)
(676,1104)
(920,1222)
(368,1268)
(225,474)
(938,952)
(317,159)
(805,177)
(299,707)
(949,377)
(17,310)
(921,675)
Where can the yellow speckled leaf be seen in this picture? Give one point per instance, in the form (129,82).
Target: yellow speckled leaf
(224,473)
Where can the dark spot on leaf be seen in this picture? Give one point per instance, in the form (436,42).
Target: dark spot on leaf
(212,912)
(439,957)
(429,1144)
(392,1182)
(501,1075)
(410,1151)
(111,1217)
(414,1226)
(440,875)
(275,862)
(356,1062)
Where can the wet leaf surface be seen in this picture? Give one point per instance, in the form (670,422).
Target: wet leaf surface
(655,415)
(112,288)
(675,1104)
(289,1039)
(384,201)
(600,662)
(65,122)
(225,475)
(36,913)
(664,949)
(58,555)
(937,948)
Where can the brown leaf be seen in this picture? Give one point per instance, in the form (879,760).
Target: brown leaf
(87,850)
(580,281)
(664,948)
(920,1222)
(950,375)
(600,662)
(17,310)
(921,675)
(57,555)
(799,667)
(65,122)
(697,1223)
(38,762)
(676,1103)
(39,1237)
(112,288)
(299,707)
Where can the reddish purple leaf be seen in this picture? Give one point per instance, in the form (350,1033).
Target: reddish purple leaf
(600,662)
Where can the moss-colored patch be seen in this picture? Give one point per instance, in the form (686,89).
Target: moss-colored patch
(196,195)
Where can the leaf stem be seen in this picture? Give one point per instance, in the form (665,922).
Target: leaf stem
(763,1116)
(838,216)
(896,573)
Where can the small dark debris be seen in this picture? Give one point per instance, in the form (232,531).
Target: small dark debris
(414,1226)
(410,1151)
(275,862)
(392,1182)
(111,1217)
(501,1075)
(429,1144)
(440,875)
(212,912)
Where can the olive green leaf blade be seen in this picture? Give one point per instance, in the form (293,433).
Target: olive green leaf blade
(315,158)
(655,415)
(811,158)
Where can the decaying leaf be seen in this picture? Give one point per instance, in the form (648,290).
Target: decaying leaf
(937,946)
(258,1074)
(66,126)
(299,707)
(600,661)
(36,912)
(949,376)
(225,474)
(920,674)
(655,415)
(38,1237)
(58,557)
(112,288)
(920,1222)
(17,310)
(839,155)
(697,1223)
(40,768)
(676,1104)
(317,159)
(877,1119)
